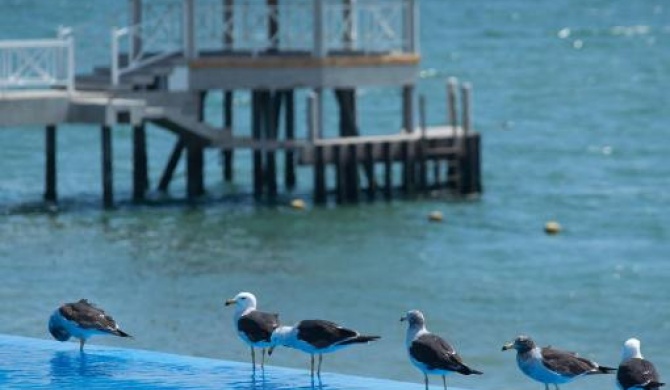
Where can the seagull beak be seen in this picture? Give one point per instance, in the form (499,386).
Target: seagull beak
(508,346)
(403,318)
(230,302)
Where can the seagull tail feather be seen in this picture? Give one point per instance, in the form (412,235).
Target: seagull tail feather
(469,371)
(120,333)
(360,339)
(653,385)
(605,370)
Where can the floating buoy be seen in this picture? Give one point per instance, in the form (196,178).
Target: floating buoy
(435,216)
(552,227)
(298,204)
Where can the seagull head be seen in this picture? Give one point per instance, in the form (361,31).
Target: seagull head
(631,349)
(56,328)
(414,318)
(280,336)
(243,301)
(522,344)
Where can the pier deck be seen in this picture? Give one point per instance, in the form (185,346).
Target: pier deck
(339,45)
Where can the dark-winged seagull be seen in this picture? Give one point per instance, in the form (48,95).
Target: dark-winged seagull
(253,326)
(317,337)
(429,352)
(548,365)
(82,320)
(635,372)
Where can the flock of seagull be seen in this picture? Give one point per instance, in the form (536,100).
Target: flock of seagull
(430,353)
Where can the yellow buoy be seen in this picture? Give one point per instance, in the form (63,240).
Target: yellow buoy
(435,216)
(552,227)
(298,204)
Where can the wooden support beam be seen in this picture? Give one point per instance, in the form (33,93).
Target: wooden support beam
(353,187)
(272,102)
(319,177)
(339,152)
(51,172)
(289,125)
(168,172)
(256,131)
(370,171)
(107,168)
(195,185)
(388,170)
(140,163)
(228,127)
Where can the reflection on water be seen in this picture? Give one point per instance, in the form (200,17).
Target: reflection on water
(36,363)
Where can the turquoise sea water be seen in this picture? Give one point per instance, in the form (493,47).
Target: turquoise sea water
(571,98)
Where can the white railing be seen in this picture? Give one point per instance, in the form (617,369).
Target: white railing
(247,26)
(38,63)
(154,39)
(366,25)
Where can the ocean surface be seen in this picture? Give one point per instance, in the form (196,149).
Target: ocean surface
(572,101)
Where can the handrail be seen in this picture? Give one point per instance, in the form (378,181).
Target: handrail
(150,41)
(38,62)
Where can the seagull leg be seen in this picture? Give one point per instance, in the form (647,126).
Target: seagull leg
(425,380)
(253,358)
(556,384)
(320,361)
(263,360)
(81,344)
(546,386)
(312,366)
(444,382)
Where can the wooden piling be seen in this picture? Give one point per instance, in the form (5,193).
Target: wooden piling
(51,173)
(256,129)
(353,188)
(107,168)
(466,90)
(194,170)
(370,171)
(421,146)
(339,152)
(228,127)
(140,163)
(272,104)
(388,170)
(319,176)
(452,86)
(289,125)
(408,108)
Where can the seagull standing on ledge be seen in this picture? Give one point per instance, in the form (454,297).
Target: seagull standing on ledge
(430,353)
(548,365)
(82,320)
(253,326)
(317,337)
(634,371)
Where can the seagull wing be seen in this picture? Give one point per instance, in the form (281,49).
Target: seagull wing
(637,373)
(322,334)
(88,316)
(258,325)
(566,363)
(437,353)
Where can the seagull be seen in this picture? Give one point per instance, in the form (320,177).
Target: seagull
(82,320)
(317,337)
(429,352)
(253,326)
(634,371)
(548,365)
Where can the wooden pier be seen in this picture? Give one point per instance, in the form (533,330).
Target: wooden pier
(273,50)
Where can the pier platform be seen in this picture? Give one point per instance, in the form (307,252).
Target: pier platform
(28,363)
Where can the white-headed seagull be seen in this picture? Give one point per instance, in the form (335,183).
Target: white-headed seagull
(254,327)
(635,372)
(317,337)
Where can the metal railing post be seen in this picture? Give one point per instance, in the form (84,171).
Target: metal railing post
(115,56)
(71,67)
(319,49)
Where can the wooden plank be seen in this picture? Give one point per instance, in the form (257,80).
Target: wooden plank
(304,61)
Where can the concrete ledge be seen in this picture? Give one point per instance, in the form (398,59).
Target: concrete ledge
(35,363)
